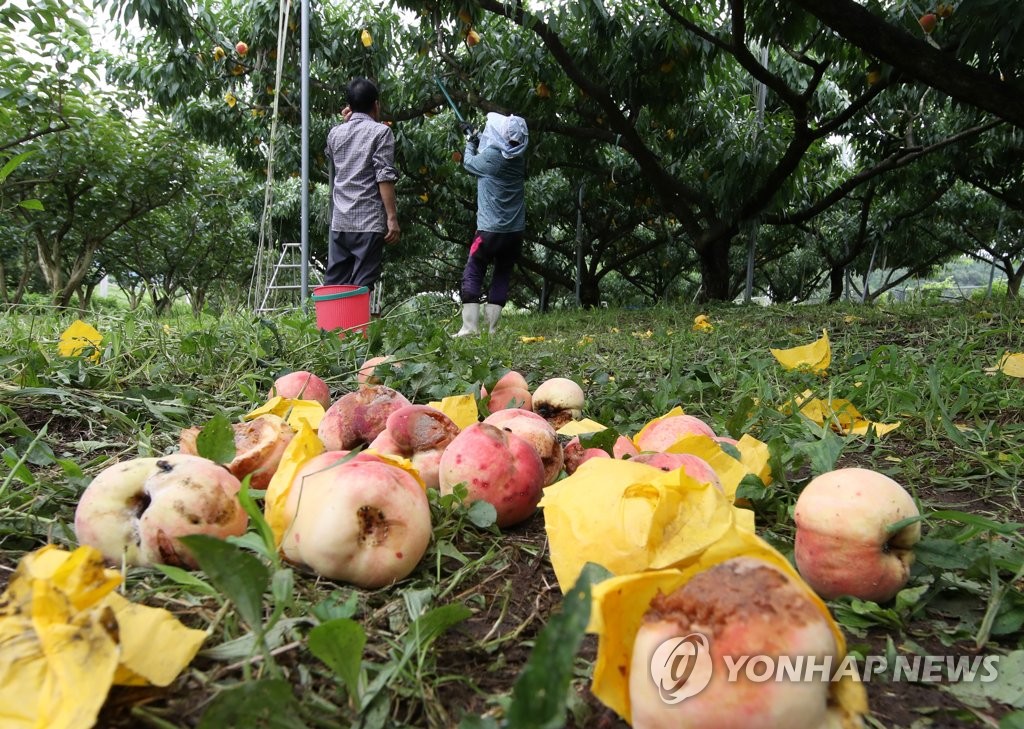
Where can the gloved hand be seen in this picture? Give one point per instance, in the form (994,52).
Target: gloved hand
(469,131)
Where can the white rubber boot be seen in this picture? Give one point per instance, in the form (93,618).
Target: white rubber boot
(492,312)
(470,320)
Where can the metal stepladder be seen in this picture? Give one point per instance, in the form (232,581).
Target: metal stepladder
(285,286)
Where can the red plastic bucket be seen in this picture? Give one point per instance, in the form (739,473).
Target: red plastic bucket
(342,307)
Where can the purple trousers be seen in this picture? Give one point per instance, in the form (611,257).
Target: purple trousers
(500,249)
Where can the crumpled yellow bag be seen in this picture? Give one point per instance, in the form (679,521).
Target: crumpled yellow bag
(295,412)
(841,414)
(815,357)
(629,517)
(619,604)
(461,409)
(78,339)
(66,637)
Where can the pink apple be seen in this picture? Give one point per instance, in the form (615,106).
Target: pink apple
(843,544)
(663,434)
(498,467)
(302,385)
(558,400)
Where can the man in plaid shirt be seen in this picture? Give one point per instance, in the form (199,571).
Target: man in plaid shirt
(365,213)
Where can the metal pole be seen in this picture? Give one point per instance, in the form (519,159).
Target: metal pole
(579,246)
(760,92)
(304,208)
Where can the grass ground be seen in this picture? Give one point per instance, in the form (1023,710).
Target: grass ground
(959,448)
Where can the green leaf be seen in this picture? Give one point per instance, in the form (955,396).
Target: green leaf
(539,697)
(186,579)
(216,440)
(13,163)
(32,204)
(603,439)
(482,514)
(242,577)
(824,452)
(339,643)
(333,607)
(266,704)
(256,517)
(1013,720)
(943,554)
(429,626)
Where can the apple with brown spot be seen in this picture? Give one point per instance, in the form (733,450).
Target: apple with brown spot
(135,511)
(363,521)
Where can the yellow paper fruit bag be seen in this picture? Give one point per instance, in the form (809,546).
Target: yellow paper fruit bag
(629,517)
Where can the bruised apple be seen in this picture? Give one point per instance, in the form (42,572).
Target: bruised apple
(259,445)
(843,545)
(363,521)
(136,510)
(663,434)
(558,401)
(742,607)
(302,385)
(358,417)
(537,432)
(575,455)
(498,467)
(419,433)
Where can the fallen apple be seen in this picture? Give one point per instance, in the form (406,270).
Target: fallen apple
(575,455)
(536,431)
(693,466)
(558,400)
(420,434)
(259,445)
(136,510)
(843,543)
(510,391)
(358,417)
(664,433)
(302,385)
(743,607)
(498,467)
(363,521)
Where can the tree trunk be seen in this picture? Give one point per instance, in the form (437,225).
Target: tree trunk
(836,275)
(590,292)
(714,272)
(1013,282)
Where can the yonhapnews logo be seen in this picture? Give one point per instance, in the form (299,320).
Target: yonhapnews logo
(681,667)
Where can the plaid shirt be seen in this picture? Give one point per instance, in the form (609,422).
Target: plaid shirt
(363,152)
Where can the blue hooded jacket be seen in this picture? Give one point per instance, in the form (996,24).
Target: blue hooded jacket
(500,168)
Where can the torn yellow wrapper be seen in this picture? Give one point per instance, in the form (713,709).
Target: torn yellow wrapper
(841,415)
(1011,365)
(581,427)
(619,604)
(630,517)
(462,409)
(301,448)
(816,356)
(78,339)
(295,412)
(701,323)
(66,637)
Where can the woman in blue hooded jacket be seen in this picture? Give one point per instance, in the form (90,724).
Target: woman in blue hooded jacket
(497,161)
